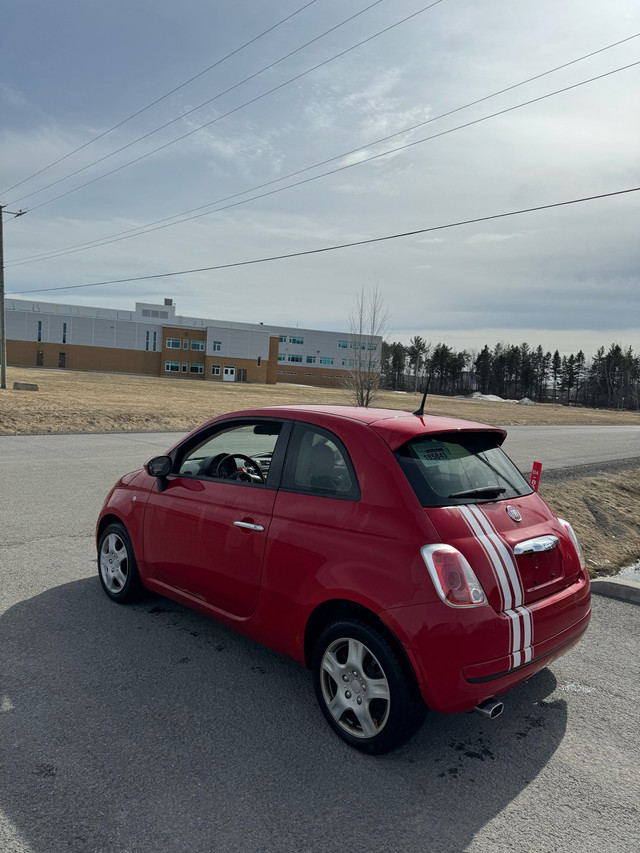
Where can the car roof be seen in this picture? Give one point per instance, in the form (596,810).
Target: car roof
(394,425)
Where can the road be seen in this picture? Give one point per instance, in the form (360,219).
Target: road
(151,728)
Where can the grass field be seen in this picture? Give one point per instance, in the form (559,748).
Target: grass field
(605,510)
(71,401)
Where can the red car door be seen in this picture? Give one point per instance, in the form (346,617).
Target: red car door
(205,534)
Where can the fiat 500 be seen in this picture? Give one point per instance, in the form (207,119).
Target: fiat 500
(403,558)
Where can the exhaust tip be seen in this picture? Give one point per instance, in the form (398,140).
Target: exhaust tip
(491,708)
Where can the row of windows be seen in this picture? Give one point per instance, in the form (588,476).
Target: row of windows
(184,367)
(197,346)
(353,345)
(310,359)
(176,367)
(293,339)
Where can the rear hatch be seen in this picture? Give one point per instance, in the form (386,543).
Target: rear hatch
(517,562)
(481,505)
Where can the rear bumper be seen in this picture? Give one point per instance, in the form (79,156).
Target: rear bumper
(462,657)
(545,652)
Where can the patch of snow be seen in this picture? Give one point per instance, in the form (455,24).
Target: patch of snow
(490,398)
(574,687)
(630,573)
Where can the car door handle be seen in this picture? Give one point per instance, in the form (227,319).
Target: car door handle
(246,525)
(541,543)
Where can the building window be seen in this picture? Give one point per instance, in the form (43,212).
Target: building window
(282,356)
(184,366)
(326,360)
(155,342)
(343,344)
(172,366)
(146,340)
(198,345)
(217,346)
(311,359)
(293,339)
(39,330)
(372,346)
(282,339)
(64,333)
(215,370)
(297,358)
(185,343)
(196,368)
(173,343)
(259,360)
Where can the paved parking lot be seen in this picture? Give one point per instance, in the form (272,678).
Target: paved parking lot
(152,728)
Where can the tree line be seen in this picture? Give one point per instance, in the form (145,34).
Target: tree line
(609,379)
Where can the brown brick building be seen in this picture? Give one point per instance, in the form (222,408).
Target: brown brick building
(154,340)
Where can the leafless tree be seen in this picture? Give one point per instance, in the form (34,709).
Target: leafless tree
(366,325)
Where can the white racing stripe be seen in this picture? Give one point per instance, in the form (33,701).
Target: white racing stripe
(507,576)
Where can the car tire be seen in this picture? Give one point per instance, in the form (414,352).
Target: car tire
(117,566)
(366,695)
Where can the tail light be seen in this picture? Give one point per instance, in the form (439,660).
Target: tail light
(453,577)
(574,539)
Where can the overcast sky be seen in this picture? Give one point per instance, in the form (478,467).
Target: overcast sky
(566,278)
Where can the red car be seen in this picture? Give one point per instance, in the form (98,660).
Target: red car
(402,557)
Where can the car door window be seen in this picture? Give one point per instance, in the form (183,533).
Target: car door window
(318,463)
(240,453)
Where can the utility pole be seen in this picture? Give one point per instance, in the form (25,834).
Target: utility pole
(3,328)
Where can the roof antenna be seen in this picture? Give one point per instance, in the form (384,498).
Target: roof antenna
(420,412)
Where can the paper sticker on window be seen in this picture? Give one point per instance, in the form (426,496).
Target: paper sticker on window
(434,454)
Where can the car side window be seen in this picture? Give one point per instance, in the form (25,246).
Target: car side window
(318,463)
(240,452)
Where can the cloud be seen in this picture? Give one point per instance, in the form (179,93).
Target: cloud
(492,238)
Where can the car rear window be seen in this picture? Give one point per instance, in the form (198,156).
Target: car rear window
(457,468)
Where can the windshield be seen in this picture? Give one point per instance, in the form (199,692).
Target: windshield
(460,468)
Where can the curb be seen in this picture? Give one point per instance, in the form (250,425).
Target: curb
(623,590)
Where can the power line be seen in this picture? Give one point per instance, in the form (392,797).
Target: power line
(334,248)
(158,225)
(163,97)
(224,115)
(184,115)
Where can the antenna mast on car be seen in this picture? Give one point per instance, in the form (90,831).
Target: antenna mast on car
(420,412)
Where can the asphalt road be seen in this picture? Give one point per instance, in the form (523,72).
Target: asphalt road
(151,728)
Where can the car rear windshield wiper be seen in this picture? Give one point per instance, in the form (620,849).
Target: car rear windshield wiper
(486,492)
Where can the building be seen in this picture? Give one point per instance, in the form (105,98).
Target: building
(156,341)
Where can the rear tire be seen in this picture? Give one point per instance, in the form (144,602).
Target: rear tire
(117,566)
(364,692)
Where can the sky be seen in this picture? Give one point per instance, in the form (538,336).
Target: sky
(277,89)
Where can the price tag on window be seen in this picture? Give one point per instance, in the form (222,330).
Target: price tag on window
(536,471)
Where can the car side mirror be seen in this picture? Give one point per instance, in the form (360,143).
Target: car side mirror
(160,468)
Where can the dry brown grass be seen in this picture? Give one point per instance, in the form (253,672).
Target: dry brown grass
(70,401)
(604,509)
(605,513)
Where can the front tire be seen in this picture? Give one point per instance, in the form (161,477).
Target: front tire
(365,694)
(117,567)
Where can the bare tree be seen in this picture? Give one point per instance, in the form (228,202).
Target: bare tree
(366,326)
